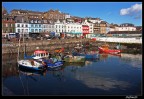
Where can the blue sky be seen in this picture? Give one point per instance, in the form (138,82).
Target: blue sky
(112,12)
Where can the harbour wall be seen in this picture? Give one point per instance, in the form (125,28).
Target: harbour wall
(68,44)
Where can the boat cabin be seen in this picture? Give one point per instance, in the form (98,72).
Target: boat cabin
(105,46)
(40,54)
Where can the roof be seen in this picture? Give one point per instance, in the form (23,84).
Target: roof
(40,51)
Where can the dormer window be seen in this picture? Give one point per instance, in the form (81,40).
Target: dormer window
(35,21)
(31,21)
(39,21)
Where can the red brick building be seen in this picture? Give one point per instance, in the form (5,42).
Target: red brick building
(8,25)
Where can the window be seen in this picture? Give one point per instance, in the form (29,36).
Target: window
(32,25)
(22,30)
(32,30)
(31,21)
(18,30)
(11,25)
(22,25)
(18,25)
(6,25)
(26,25)
(6,30)
(11,30)
(40,30)
(26,30)
(36,25)
(36,30)
(39,25)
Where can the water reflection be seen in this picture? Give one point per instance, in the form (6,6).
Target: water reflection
(134,60)
(108,75)
(9,70)
(100,82)
(27,76)
(57,72)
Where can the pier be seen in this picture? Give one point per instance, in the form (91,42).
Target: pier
(137,40)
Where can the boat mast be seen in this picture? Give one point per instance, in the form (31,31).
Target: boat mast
(18,49)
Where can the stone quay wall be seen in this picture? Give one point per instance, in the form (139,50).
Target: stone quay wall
(68,44)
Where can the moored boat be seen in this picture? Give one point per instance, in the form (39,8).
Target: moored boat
(31,65)
(105,49)
(59,50)
(88,56)
(70,58)
(40,54)
(53,62)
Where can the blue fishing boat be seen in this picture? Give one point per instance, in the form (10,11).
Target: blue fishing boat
(52,62)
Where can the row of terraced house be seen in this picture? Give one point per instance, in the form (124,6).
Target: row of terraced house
(26,23)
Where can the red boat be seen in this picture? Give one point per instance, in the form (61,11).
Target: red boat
(115,54)
(105,49)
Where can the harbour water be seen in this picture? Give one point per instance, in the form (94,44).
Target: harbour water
(109,75)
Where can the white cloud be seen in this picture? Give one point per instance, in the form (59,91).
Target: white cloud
(132,11)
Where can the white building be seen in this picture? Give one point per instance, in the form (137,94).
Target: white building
(95,20)
(21,25)
(67,16)
(127,28)
(112,29)
(73,29)
(59,27)
(123,27)
(47,27)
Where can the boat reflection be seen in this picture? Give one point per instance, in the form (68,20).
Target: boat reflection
(57,72)
(31,72)
(26,76)
(81,64)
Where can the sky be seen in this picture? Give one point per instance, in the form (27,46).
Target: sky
(111,12)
